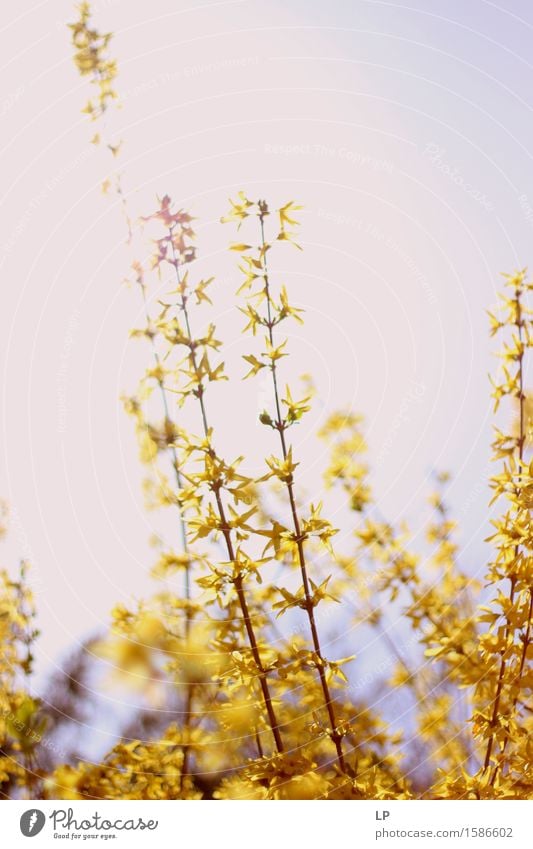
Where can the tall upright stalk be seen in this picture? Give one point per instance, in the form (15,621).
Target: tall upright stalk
(280,426)
(257,268)
(510,484)
(91,59)
(225,527)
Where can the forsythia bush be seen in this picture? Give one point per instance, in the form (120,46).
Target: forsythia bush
(21,724)
(261,711)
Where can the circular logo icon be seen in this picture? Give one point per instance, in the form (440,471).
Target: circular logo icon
(32,822)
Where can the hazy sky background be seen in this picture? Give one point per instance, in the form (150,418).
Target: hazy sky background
(404,130)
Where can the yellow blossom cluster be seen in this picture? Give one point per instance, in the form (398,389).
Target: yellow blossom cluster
(21,723)
(90,57)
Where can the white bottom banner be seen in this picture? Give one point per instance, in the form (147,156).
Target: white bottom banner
(280,825)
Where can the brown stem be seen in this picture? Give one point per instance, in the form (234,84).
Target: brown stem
(309,605)
(521,442)
(187,723)
(518,677)
(124,203)
(177,474)
(226,529)
(175,461)
(187,717)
